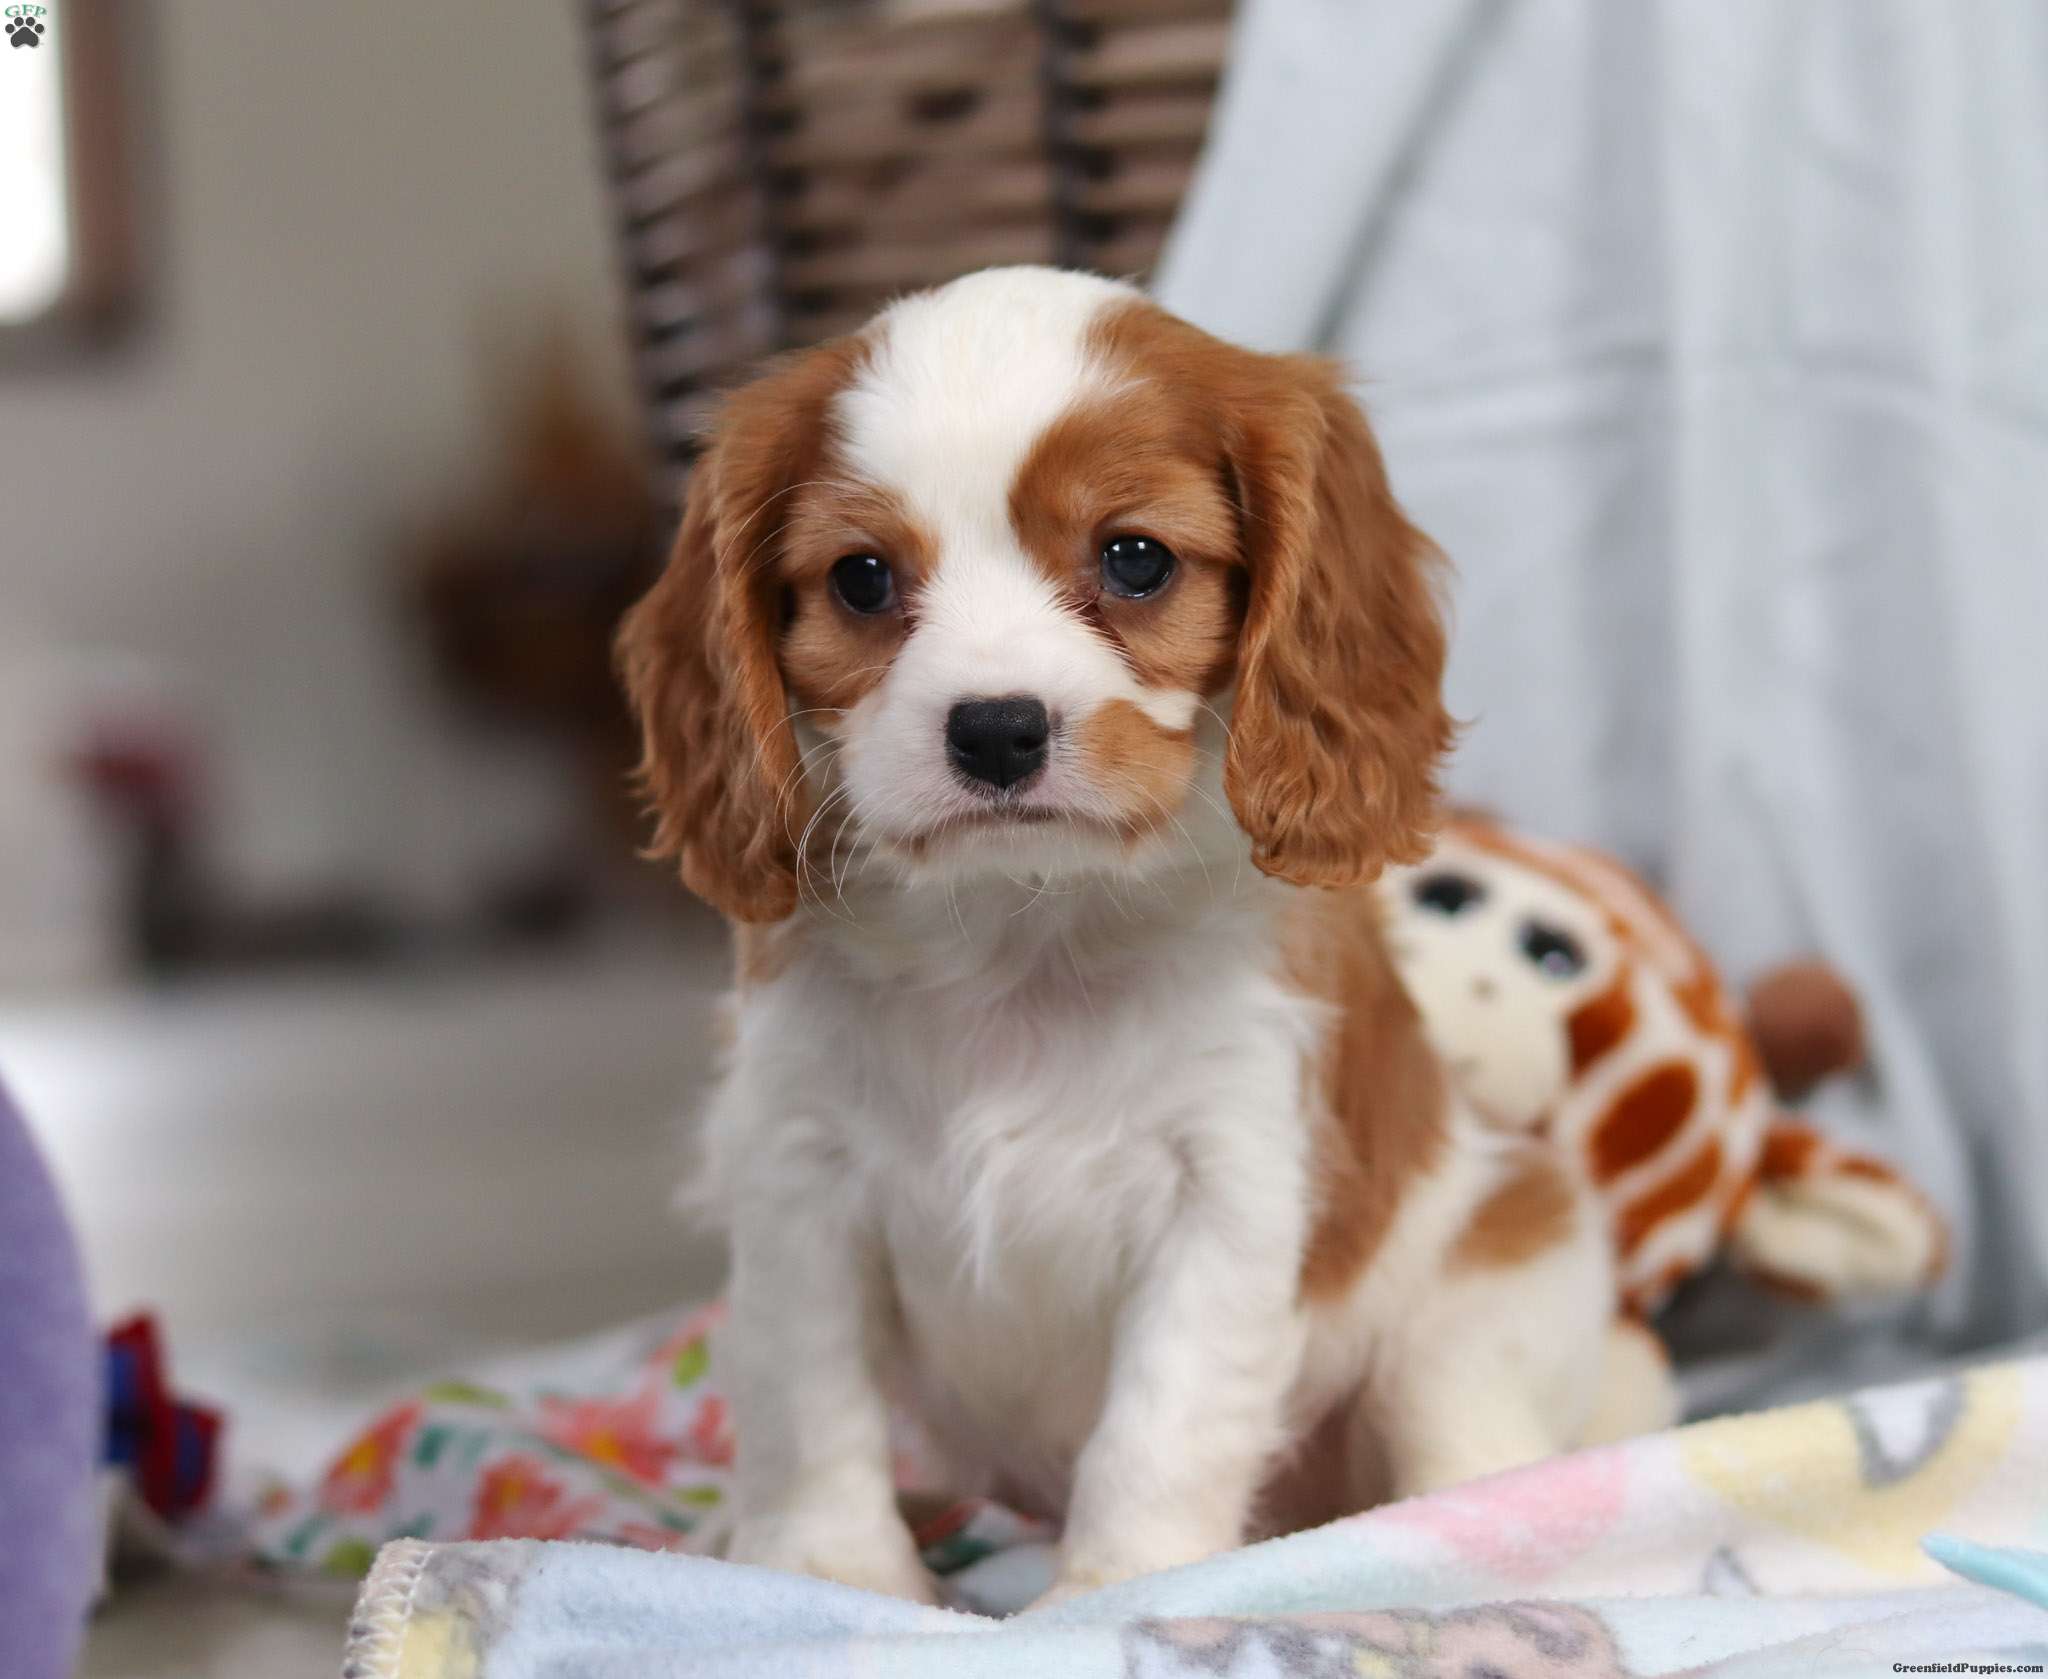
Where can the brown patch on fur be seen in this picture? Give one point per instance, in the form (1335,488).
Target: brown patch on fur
(1139,465)
(1339,724)
(1679,1193)
(832,657)
(1601,1022)
(699,653)
(1746,1070)
(1736,1204)
(1381,1118)
(1335,1469)
(1788,1151)
(1532,1209)
(1710,1009)
(1643,1119)
(1136,762)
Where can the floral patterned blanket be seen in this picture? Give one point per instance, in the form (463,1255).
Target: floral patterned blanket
(1791,1541)
(632,1445)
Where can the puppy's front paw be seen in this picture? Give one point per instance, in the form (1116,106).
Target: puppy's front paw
(875,1556)
(1065,1587)
(1082,1572)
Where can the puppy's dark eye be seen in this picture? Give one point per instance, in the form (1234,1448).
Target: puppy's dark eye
(1135,566)
(1552,949)
(1447,893)
(864,583)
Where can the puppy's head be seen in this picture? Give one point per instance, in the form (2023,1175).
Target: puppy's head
(992,585)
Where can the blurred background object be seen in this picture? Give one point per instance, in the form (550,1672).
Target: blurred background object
(49,1417)
(351,1031)
(340,210)
(72,267)
(780,171)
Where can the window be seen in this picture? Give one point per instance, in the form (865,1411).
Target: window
(66,222)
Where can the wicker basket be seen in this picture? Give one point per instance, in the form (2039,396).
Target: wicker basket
(780,170)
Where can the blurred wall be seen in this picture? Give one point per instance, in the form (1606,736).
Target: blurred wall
(343,195)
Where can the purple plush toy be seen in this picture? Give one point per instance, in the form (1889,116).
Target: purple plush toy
(49,1411)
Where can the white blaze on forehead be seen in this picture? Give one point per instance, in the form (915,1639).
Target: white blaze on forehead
(962,381)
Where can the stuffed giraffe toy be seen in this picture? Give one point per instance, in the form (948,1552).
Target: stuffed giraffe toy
(1566,1000)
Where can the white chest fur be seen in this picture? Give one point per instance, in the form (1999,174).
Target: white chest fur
(1022,1108)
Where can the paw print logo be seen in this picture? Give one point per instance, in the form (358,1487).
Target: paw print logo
(24,31)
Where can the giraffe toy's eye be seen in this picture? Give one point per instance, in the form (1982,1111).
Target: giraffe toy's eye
(1553,951)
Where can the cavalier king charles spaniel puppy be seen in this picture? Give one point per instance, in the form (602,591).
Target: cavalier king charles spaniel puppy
(1037,684)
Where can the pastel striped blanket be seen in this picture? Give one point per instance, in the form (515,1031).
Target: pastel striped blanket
(1794,1541)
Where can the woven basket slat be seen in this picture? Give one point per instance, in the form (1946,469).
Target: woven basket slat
(1146,188)
(630,31)
(1129,255)
(1007,122)
(836,322)
(904,266)
(677,125)
(710,290)
(1121,13)
(715,225)
(1169,117)
(706,172)
(781,168)
(1165,53)
(713,343)
(936,192)
(992,48)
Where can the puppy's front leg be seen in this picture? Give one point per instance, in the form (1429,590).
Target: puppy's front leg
(811,1322)
(1208,1345)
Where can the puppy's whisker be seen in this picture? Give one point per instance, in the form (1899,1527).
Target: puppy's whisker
(855,823)
(802,764)
(1222,722)
(838,796)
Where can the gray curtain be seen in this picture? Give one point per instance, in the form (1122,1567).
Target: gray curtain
(1710,338)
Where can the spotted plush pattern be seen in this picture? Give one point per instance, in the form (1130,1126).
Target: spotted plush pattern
(1568,1000)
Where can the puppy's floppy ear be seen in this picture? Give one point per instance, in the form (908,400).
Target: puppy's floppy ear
(1339,725)
(699,658)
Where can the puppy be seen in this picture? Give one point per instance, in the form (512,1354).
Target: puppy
(1038,683)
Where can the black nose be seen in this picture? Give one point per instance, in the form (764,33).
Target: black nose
(998,741)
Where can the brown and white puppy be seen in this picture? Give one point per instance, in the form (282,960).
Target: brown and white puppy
(1039,681)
